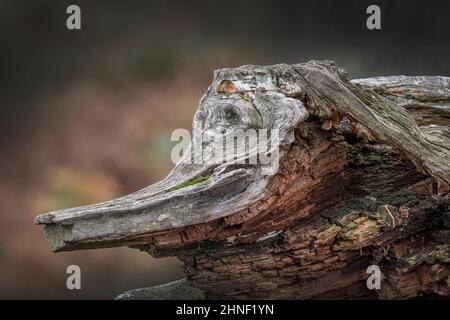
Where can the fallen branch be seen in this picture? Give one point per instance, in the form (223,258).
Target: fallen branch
(363,180)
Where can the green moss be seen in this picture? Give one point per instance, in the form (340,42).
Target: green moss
(180,186)
(190,182)
(244,97)
(440,253)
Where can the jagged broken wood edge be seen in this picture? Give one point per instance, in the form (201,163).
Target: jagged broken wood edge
(399,111)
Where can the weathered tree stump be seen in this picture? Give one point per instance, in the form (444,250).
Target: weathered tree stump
(363,180)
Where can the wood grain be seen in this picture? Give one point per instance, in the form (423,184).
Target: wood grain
(363,178)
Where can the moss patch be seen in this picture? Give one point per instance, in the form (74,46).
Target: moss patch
(190,182)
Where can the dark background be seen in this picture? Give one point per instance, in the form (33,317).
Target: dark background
(87,115)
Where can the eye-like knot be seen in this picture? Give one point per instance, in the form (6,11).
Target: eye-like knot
(232,116)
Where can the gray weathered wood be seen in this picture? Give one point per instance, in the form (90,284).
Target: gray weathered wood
(390,108)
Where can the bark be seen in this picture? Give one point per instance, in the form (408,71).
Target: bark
(363,180)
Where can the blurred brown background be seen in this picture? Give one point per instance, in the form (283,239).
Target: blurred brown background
(87,115)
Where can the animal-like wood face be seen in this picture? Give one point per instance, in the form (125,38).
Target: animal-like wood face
(241,127)
(253,113)
(239,100)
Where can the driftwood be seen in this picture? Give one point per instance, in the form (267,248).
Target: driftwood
(363,179)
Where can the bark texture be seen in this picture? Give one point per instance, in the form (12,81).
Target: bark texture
(363,180)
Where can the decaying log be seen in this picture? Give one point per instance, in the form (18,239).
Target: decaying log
(363,179)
